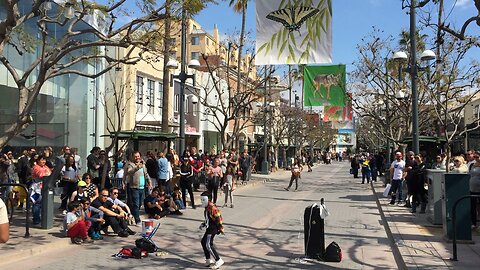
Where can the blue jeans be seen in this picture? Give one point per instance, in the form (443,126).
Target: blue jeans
(36,211)
(396,189)
(136,197)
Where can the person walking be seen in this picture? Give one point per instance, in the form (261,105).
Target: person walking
(296,171)
(355,166)
(136,179)
(397,175)
(214,226)
(366,173)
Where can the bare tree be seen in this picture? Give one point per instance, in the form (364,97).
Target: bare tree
(61,54)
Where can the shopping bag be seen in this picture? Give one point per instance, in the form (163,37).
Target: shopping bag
(387,190)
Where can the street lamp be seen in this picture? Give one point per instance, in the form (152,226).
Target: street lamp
(266,108)
(413,69)
(183,76)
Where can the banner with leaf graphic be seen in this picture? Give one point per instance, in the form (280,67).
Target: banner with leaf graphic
(293,32)
(324,85)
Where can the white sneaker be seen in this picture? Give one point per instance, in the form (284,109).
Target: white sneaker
(209,263)
(218,263)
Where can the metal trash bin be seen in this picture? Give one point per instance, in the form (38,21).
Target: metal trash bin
(435,196)
(455,186)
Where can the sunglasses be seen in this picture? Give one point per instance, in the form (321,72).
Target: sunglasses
(103,195)
(456,160)
(115,193)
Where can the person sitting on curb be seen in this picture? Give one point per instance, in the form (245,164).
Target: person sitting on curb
(113,214)
(75,224)
(116,201)
(177,197)
(93,218)
(80,193)
(153,207)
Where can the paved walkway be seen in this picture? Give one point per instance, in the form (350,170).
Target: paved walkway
(414,242)
(420,243)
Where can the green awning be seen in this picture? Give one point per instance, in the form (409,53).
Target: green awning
(144,135)
(430,139)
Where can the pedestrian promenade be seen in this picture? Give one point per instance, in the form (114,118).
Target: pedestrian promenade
(415,243)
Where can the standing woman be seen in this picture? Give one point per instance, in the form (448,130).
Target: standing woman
(39,170)
(215,175)
(475,188)
(69,179)
(296,171)
(355,166)
(186,180)
(419,195)
(91,189)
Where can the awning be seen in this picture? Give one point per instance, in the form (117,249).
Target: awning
(430,139)
(143,135)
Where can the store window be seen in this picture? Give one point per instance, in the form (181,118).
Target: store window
(139,94)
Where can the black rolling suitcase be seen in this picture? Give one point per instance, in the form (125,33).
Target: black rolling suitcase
(314,233)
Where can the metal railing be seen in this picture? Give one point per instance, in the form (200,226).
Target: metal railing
(454,223)
(28,206)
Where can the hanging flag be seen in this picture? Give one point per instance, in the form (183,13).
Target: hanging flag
(293,32)
(324,85)
(339,113)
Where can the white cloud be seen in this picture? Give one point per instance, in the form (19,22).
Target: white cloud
(463,3)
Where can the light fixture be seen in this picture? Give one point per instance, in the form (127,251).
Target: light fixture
(194,99)
(69,12)
(428,55)
(172,64)
(400,56)
(194,63)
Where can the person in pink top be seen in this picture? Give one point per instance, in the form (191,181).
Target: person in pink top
(214,174)
(39,170)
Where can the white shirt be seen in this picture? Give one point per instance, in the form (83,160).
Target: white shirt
(3,213)
(398,167)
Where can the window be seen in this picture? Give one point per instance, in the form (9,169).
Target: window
(176,103)
(475,111)
(185,104)
(151,95)
(172,42)
(139,93)
(195,41)
(195,55)
(160,95)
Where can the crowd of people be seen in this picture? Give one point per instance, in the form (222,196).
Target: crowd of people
(158,182)
(408,176)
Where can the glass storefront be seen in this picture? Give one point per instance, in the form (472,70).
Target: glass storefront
(66,112)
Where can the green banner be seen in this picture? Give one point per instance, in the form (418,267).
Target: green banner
(324,85)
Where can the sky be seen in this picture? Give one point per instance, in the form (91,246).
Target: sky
(352,20)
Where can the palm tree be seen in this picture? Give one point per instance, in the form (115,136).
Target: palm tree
(240,6)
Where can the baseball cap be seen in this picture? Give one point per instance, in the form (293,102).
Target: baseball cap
(81,183)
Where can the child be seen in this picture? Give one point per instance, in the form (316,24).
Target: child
(213,223)
(177,197)
(76,227)
(93,218)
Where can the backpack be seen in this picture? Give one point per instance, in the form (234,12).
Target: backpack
(145,244)
(333,253)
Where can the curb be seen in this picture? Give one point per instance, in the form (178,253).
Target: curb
(397,255)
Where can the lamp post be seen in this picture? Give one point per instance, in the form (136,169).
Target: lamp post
(183,76)
(413,71)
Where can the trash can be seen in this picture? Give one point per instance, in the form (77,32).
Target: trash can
(455,186)
(314,232)
(435,195)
